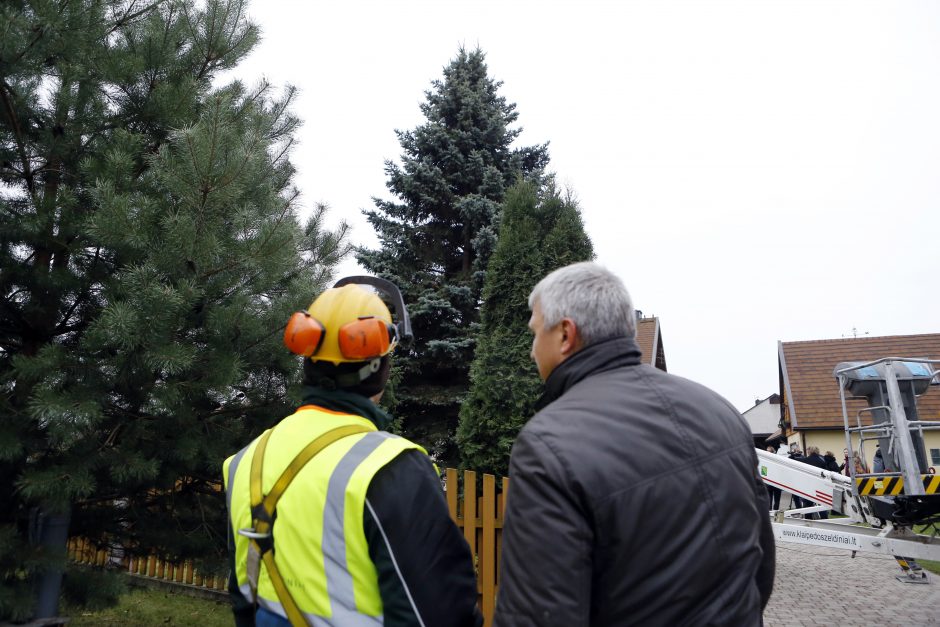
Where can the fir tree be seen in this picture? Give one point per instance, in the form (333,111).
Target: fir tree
(540,231)
(150,253)
(437,237)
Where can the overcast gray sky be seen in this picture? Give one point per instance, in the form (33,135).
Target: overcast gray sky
(754,171)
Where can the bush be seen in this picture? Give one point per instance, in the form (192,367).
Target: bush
(92,588)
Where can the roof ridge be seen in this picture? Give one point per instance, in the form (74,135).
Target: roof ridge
(862,339)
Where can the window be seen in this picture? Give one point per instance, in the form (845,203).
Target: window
(935,456)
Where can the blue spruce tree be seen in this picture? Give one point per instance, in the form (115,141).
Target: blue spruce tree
(437,236)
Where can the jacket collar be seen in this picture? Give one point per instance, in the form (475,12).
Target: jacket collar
(590,360)
(346,402)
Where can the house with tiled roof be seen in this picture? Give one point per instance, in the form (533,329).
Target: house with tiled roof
(811,408)
(764,421)
(650,338)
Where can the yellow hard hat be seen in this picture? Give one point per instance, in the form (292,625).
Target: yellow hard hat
(343,325)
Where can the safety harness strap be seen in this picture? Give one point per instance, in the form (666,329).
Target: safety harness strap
(263,507)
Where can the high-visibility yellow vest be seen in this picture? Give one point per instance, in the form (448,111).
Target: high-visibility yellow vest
(320,546)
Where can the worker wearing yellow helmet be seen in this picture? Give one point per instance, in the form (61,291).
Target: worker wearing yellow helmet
(332,520)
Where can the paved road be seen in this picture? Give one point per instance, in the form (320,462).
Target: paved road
(823,586)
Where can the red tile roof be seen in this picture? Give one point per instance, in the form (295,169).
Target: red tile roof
(812,393)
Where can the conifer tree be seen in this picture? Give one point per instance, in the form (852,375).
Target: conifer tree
(541,230)
(437,237)
(150,253)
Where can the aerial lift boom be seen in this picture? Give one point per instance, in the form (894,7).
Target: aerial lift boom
(882,508)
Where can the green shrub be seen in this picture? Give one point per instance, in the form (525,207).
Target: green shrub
(92,588)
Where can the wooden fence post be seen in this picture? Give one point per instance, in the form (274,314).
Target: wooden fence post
(452,490)
(488,550)
(470,509)
(502,524)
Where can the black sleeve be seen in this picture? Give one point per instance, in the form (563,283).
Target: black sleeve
(424,564)
(242,608)
(546,568)
(768,565)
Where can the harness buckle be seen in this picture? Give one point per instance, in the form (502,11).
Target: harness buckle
(264,541)
(249,532)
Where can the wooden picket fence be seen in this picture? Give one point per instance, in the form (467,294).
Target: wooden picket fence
(82,551)
(481,519)
(479,516)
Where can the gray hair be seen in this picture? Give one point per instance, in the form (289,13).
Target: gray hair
(594,297)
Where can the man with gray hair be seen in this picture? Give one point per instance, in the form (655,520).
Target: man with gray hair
(634,494)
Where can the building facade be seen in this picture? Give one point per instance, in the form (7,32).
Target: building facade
(811,407)
(649,337)
(764,421)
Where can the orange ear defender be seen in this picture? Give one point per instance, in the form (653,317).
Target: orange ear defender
(402,330)
(361,339)
(304,334)
(366,338)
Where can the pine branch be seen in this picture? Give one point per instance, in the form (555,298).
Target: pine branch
(40,31)
(192,154)
(264,338)
(167,23)
(249,152)
(8,96)
(288,145)
(210,40)
(260,250)
(112,437)
(213,143)
(212,58)
(287,205)
(128,17)
(63,327)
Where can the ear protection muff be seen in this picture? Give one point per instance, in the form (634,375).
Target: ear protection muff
(403,326)
(304,334)
(363,339)
(366,338)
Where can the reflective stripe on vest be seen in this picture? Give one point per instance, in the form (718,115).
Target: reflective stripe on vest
(339,583)
(338,586)
(232,468)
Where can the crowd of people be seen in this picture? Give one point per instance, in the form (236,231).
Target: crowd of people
(826,461)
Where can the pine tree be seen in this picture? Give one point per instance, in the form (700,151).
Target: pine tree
(540,231)
(150,253)
(437,237)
